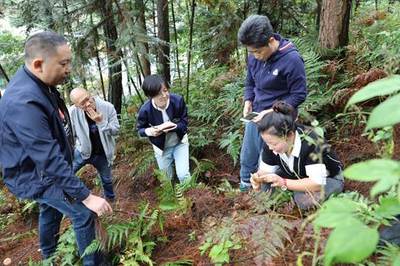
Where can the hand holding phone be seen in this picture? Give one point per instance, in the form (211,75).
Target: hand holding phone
(249,117)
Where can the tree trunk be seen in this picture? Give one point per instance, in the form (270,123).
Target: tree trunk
(334,23)
(114,56)
(318,15)
(4,74)
(49,16)
(163,35)
(259,8)
(96,48)
(176,41)
(190,49)
(143,45)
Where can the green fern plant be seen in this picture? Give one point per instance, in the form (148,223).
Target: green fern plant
(182,262)
(67,250)
(264,235)
(232,142)
(172,197)
(262,202)
(201,167)
(390,255)
(219,241)
(133,238)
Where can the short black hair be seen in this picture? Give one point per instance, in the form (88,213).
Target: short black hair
(152,85)
(280,121)
(43,44)
(255,31)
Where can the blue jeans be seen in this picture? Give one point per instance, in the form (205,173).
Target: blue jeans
(83,221)
(101,164)
(178,153)
(250,153)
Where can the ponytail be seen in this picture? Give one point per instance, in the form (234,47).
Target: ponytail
(280,122)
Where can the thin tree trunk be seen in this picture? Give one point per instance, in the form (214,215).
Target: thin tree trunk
(127,74)
(260,5)
(96,47)
(190,48)
(4,73)
(69,85)
(163,35)
(143,45)
(137,58)
(114,56)
(318,17)
(176,41)
(103,90)
(130,79)
(49,16)
(138,75)
(357,4)
(154,32)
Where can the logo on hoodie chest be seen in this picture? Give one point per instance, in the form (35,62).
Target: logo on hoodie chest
(275,72)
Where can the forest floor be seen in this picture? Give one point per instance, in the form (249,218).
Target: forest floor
(19,239)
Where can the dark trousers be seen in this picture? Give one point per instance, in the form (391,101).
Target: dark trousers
(101,164)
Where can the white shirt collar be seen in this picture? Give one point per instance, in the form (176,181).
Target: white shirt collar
(158,108)
(296,146)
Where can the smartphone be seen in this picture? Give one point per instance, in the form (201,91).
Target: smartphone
(167,128)
(249,117)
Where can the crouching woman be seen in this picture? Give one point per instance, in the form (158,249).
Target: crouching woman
(296,158)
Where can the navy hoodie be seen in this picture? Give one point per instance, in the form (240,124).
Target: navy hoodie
(281,77)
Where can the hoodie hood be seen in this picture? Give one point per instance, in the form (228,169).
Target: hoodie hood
(285,47)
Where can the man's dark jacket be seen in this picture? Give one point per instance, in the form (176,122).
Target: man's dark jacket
(35,153)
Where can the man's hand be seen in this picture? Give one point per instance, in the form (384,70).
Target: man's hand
(261,115)
(98,205)
(96,117)
(248,107)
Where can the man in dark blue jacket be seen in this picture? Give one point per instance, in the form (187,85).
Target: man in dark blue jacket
(36,145)
(275,71)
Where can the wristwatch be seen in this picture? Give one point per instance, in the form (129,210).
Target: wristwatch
(284,186)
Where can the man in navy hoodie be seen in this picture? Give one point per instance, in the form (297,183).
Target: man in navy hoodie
(275,71)
(36,146)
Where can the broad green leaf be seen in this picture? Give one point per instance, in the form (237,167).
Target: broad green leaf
(350,244)
(168,205)
(385,114)
(388,207)
(216,250)
(396,261)
(383,185)
(340,204)
(333,220)
(373,170)
(380,87)
(335,212)
(219,254)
